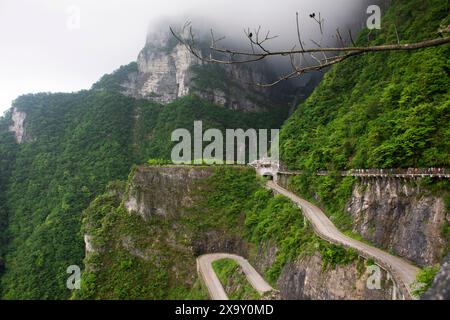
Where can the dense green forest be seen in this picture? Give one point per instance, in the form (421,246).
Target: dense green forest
(155,258)
(72,152)
(380,110)
(234,280)
(75,144)
(8,149)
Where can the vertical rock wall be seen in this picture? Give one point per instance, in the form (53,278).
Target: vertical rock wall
(17,126)
(401,217)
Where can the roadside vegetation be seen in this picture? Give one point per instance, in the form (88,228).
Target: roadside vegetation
(232,204)
(234,280)
(424,280)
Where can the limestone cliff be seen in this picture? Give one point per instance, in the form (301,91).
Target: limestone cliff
(400,216)
(163,70)
(440,290)
(17,127)
(306,280)
(166,70)
(170,215)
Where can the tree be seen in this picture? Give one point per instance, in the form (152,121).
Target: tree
(302,59)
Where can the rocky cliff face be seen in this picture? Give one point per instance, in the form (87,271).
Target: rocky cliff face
(17,126)
(163,70)
(167,193)
(162,191)
(166,70)
(306,280)
(400,216)
(440,290)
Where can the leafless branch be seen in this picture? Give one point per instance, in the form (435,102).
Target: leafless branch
(351,37)
(259,50)
(396,34)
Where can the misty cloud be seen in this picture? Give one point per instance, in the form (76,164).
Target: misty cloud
(230,19)
(40,53)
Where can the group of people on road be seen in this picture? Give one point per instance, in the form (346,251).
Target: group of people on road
(409,171)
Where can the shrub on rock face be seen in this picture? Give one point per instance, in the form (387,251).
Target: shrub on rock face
(440,289)
(424,280)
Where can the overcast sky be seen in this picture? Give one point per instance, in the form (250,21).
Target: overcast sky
(43,49)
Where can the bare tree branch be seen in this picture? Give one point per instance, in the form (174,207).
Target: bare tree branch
(259,50)
(351,37)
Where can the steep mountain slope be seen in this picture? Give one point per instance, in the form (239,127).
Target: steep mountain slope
(8,149)
(382,110)
(143,238)
(58,151)
(71,150)
(165,70)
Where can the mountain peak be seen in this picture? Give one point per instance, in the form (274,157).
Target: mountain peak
(166,70)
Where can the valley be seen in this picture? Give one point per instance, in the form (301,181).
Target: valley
(175,178)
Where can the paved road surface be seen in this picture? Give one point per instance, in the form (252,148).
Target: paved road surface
(403,271)
(212,282)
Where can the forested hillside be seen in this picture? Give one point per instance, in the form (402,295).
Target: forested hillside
(218,209)
(8,149)
(74,145)
(380,110)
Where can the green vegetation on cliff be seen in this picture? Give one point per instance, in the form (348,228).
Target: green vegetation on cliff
(234,280)
(228,210)
(8,150)
(382,110)
(379,110)
(74,145)
(424,280)
(183,112)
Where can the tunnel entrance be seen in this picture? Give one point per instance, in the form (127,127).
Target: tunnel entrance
(268,177)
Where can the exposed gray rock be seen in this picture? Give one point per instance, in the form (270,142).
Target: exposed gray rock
(89,248)
(305,280)
(162,191)
(234,87)
(167,71)
(400,216)
(163,71)
(17,126)
(440,290)
(214,242)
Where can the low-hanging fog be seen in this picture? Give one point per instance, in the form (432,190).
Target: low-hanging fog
(45,47)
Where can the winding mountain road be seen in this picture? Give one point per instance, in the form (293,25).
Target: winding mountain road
(212,282)
(402,271)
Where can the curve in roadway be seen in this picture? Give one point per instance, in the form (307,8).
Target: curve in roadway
(212,282)
(402,271)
